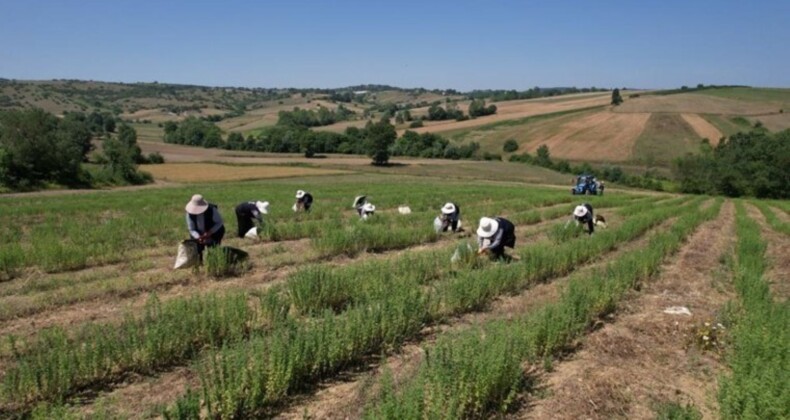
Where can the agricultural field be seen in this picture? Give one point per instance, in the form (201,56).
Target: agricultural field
(334,317)
(647,128)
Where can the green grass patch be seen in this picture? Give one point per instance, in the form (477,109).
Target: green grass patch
(665,137)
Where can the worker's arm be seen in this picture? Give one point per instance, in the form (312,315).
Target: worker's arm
(590,225)
(257,215)
(217,223)
(192,228)
(497,239)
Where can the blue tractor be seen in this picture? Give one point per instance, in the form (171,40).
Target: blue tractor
(585,185)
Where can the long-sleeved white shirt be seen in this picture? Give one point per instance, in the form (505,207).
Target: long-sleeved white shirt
(199,226)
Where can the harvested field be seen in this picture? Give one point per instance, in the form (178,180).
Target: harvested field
(695,103)
(511,110)
(602,136)
(665,137)
(212,172)
(703,128)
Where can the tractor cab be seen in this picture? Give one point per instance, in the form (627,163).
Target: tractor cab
(585,185)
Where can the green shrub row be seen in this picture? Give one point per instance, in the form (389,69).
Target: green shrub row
(472,373)
(378,314)
(31,379)
(757,387)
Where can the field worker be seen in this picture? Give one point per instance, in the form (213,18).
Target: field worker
(494,234)
(451,213)
(304,200)
(366,211)
(601,186)
(204,222)
(583,213)
(247,213)
(359,202)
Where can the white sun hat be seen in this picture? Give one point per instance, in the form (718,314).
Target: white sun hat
(580,211)
(263,206)
(448,208)
(488,227)
(368,208)
(300,194)
(359,200)
(197,205)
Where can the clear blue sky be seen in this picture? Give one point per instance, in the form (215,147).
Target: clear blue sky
(434,44)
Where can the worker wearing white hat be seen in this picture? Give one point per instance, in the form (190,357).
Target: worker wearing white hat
(494,234)
(247,213)
(304,200)
(451,214)
(204,222)
(583,214)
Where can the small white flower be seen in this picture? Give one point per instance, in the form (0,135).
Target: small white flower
(705,337)
(707,324)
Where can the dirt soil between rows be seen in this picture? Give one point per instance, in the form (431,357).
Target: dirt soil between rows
(646,357)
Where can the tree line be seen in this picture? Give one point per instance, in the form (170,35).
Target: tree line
(752,164)
(39,149)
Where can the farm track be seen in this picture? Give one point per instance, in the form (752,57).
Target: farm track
(260,278)
(346,396)
(644,357)
(144,394)
(776,254)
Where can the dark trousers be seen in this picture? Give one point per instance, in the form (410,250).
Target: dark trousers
(245,220)
(450,225)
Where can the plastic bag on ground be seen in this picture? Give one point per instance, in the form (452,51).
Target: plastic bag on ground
(404,210)
(462,252)
(187,254)
(252,233)
(295,207)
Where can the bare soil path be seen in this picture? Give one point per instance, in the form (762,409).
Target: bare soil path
(647,357)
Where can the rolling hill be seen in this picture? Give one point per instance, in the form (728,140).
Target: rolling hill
(649,128)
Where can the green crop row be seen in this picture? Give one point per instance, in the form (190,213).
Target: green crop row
(38,374)
(472,373)
(96,229)
(771,217)
(376,315)
(759,358)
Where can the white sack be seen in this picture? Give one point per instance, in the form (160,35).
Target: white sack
(252,233)
(437,224)
(404,210)
(187,255)
(295,207)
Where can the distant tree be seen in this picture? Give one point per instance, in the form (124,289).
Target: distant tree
(616,98)
(379,138)
(510,146)
(399,118)
(407,115)
(128,136)
(416,124)
(478,108)
(543,157)
(39,147)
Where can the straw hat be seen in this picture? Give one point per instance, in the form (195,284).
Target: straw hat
(359,200)
(448,208)
(488,227)
(368,208)
(580,211)
(300,194)
(263,206)
(197,205)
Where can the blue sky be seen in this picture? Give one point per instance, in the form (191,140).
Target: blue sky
(434,44)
